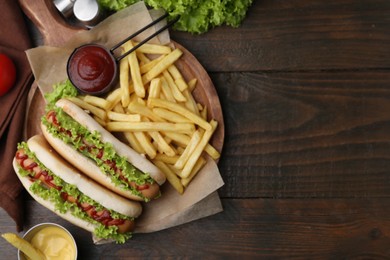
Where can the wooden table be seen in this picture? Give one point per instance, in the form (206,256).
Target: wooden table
(305,91)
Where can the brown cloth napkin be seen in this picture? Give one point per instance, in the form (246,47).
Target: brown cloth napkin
(14,40)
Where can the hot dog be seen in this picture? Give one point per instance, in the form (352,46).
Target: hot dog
(58,186)
(100,155)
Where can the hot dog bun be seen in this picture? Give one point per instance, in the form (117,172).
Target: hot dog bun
(49,205)
(122,149)
(89,166)
(46,156)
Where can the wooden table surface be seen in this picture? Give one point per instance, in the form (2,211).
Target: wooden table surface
(305,91)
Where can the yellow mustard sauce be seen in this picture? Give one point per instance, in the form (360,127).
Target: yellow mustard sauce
(54,243)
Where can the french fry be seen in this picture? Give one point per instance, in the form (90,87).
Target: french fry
(142,58)
(155,102)
(114,98)
(135,99)
(183,140)
(162,145)
(190,103)
(119,109)
(198,165)
(212,152)
(150,48)
(199,106)
(146,144)
(115,116)
(137,108)
(175,90)
(203,113)
(166,159)
(179,80)
(92,109)
(162,65)
(195,139)
(198,150)
(172,178)
(176,171)
(97,102)
(169,115)
(24,246)
(180,149)
(130,137)
(147,66)
(192,84)
(181,84)
(166,91)
(155,88)
(174,72)
(100,121)
(150,126)
(135,72)
(179,138)
(124,82)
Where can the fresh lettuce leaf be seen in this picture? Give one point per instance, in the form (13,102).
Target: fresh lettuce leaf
(61,90)
(195,16)
(235,11)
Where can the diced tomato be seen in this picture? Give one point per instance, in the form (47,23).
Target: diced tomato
(85,206)
(64,195)
(142,187)
(115,222)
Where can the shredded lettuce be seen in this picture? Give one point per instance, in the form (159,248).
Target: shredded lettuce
(68,124)
(195,16)
(62,206)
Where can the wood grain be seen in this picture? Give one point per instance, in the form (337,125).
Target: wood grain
(252,228)
(304,87)
(53,28)
(309,134)
(298,35)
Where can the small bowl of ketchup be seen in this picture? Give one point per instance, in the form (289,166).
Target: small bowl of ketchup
(92,69)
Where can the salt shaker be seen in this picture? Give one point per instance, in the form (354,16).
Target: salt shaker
(88,12)
(65,7)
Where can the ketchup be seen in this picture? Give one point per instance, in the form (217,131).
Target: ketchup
(92,69)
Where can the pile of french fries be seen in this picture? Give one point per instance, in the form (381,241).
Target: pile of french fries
(155,110)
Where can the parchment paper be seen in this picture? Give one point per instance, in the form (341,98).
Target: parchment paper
(49,63)
(49,67)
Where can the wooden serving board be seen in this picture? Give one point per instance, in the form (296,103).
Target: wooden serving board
(55,32)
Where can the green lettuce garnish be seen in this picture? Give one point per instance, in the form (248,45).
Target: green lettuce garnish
(61,90)
(116,4)
(62,206)
(81,135)
(195,16)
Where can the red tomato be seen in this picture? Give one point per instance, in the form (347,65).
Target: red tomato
(7,74)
